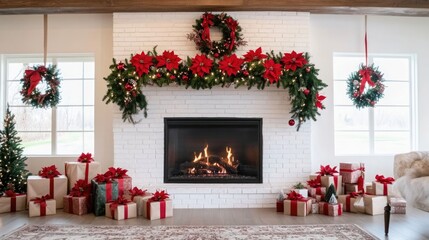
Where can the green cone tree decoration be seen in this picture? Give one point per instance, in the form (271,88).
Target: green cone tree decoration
(329,192)
(13,173)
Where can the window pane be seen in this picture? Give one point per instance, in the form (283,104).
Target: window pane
(89,118)
(347,143)
(89,70)
(392,118)
(350,118)
(69,118)
(32,119)
(344,66)
(36,143)
(13,95)
(70,142)
(394,68)
(88,142)
(71,92)
(15,71)
(340,96)
(391,142)
(396,93)
(71,69)
(88,92)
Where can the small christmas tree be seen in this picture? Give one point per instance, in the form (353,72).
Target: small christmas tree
(13,174)
(331,191)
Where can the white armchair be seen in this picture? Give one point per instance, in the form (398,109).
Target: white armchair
(411,171)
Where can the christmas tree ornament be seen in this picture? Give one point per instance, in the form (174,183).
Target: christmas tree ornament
(291,122)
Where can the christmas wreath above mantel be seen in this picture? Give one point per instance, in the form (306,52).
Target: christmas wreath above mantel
(292,71)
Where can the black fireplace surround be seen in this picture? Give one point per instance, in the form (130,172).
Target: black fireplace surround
(213,150)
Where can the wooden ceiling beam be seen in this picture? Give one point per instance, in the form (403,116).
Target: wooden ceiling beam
(380,7)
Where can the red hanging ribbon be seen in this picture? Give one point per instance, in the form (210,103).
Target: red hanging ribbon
(207,23)
(163,208)
(86,172)
(365,73)
(51,186)
(232,25)
(35,76)
(108,192)
(294,208)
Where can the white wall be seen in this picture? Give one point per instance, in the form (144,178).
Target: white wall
(391,35)
(68,34)
(140,147)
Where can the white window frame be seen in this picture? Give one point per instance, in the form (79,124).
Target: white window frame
(413,106)
(4,59)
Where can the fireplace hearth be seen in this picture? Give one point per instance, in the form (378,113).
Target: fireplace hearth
(213,150)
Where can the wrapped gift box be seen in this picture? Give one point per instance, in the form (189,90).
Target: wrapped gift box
(312,192)
(331,209)
(76,170)
(351,172)
(350,187)
(320,198)
(382,189)
(350,204)
(101,194)
(157,209)
(124,183)
(313,200)
(374,205)
(398,210)
(35,210)
(397,201)
(13,204)
(303,192)
(315,208)
(122,211)
(139,201)
(336,180)
(77,205)
(280,206)
(38,186)
(299,208)
(369,190)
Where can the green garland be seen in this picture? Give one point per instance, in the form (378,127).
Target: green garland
(374,90)
(31,95)
(292,71)
(231,34)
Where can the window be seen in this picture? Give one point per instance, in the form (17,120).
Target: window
(67,129)
(387,128)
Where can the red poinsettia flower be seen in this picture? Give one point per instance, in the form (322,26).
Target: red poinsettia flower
(294,196)
(273,71)
(201,65)
(254,55)
(103,178)
(319,99)
(136,192)
(314,183)
(142,63)
(293,60)
(327,170)
(230,64)
(80,189)
(85,158)
(49,172)
(116,172)
(169,60)
(159,196)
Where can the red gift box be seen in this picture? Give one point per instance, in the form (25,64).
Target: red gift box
(331,209)
(280,206)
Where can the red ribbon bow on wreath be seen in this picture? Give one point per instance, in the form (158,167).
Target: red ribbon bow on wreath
(327,170)
(80,189)
(159,196)
(366,78)
(315,183)
(85,158)
(232,25)
(207,23)
(49,172)
(294,196)
(35,77)
(382,179)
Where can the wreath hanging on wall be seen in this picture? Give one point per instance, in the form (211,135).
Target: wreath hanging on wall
(33,96)
(365,87)
(292,71)
(231,35)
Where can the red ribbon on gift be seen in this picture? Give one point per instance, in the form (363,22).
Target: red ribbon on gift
(384,181)
(232,25)
(70,202)
(119,201)
(86,158)
(12,195)
(294,198)
(327,170)
(42,202)
(50,172)
(136,192)
(162,208)
(315,183)
(35,76)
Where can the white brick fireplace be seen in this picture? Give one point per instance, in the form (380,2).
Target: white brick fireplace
(140,147)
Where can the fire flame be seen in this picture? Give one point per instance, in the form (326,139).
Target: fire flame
(223,165)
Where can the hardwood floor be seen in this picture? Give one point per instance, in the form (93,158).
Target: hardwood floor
(413,225)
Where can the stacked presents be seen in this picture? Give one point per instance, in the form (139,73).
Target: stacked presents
(331,192)
(110,194)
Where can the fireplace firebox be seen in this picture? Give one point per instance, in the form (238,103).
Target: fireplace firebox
(213,150)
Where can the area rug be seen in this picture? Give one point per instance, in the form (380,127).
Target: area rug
(269,232)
